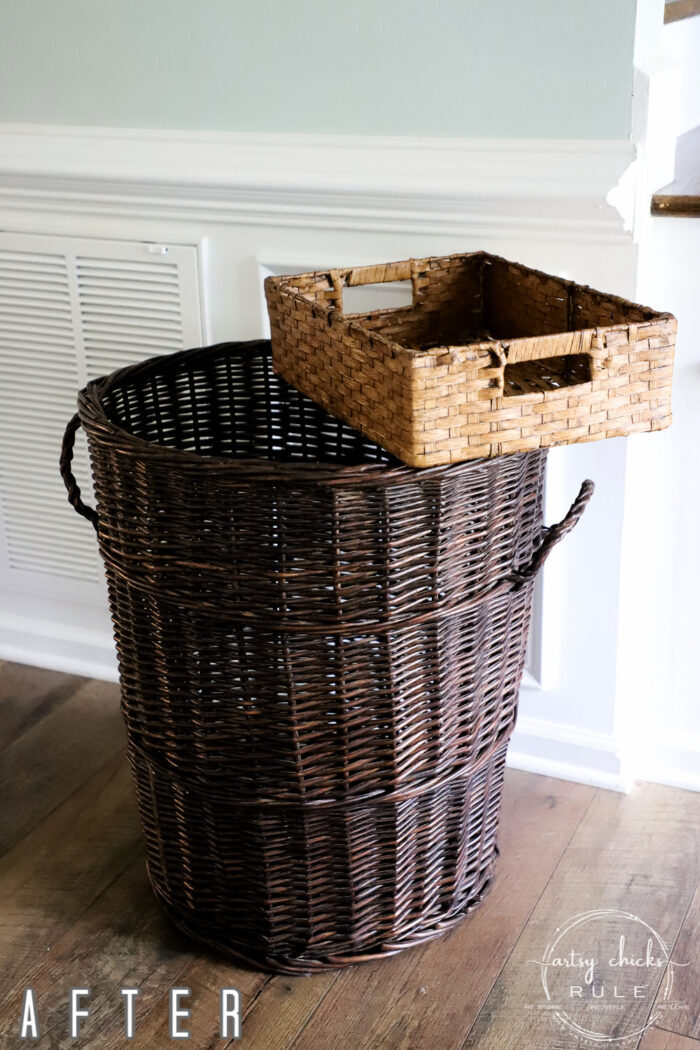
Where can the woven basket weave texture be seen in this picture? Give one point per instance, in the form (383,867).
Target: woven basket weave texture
(491,357)
(320,651)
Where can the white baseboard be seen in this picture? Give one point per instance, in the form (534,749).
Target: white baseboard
(567,752)
(674,760)
(552,189)
(58,647)
(556,750)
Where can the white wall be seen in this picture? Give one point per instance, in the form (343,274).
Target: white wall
(307,201)
(657,714)
(681,48)
(659,681)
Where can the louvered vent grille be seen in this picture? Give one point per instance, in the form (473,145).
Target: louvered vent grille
(71,310)
(127,311)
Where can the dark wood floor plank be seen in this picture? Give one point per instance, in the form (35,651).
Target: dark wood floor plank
(676,10)
(656,1039)
(49,878)
(52,758)
(74,882)
(429,996)
(205,976)
(122,939)
(684,1019)
(28,694)
(282,1010)
(125,940)
(638,853)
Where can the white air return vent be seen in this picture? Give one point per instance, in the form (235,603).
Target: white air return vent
(72,309)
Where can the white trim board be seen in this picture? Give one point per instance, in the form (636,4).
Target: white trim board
(672,759)
(552,188)
(58,647)
(569,753)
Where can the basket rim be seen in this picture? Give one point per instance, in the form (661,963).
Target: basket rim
(285,285)
(255,468)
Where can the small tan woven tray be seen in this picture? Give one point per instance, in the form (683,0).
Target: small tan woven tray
(491,357)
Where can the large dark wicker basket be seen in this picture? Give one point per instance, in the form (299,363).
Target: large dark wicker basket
(320,651)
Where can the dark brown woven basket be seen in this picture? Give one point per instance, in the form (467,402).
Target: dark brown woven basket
(320,651)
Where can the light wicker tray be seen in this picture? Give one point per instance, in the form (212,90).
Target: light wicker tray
(491,357)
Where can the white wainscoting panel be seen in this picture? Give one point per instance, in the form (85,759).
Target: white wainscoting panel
(284,202)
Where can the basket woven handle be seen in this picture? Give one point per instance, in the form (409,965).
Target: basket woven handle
(407,270)
(68,476)
(554,534)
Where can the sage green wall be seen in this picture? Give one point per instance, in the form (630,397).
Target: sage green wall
(491,68)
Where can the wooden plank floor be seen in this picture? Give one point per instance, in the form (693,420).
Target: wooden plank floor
(76,909)
(675,10)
